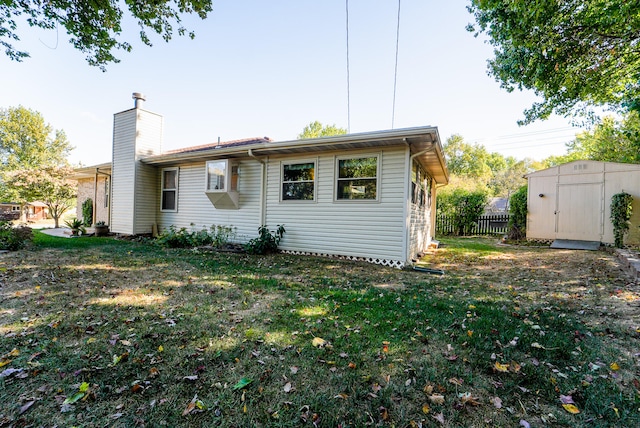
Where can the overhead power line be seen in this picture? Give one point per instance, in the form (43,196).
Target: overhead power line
(348,78)
(395,75)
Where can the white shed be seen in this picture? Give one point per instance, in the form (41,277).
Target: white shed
(573,201)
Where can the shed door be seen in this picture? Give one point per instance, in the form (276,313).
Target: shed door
(579,214)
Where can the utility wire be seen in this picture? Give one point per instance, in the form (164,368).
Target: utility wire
(348,79)
(395,76)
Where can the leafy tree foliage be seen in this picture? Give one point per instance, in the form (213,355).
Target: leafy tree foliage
(464,207)
(573,53)
(27,142)
(49,185)
(518,211)
(95,27)
(317,130)
(473,168)
(610,140)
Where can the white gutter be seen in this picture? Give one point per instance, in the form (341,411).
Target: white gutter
(263,186)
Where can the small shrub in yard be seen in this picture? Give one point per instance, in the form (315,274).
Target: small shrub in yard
(216,236)
(13,238)
(266,242)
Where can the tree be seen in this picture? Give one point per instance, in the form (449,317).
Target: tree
(575,54)
(464,207)
(49,185)
(95,27)
(27,142)
(317,130)
(611,140)
(464,159)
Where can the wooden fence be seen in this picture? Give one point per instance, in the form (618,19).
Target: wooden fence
(488,224)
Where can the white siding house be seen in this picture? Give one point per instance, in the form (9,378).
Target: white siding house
(573,201)
(364,196)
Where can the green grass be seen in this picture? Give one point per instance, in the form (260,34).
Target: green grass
(148,329)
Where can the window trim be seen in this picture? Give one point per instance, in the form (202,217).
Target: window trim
(336,178)
(162,189)
(314,181)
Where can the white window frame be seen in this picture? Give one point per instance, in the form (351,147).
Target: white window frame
(337,178)
(314,161)
(163,189)
(227,175)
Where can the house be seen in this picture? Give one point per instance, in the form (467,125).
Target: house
(573,201)
(367,196)
(33,211)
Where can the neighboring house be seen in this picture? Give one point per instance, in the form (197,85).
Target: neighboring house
(497,206)
(573,201)
(10,210)
(365,196)
(34,211)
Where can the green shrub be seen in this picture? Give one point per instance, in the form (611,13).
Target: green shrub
(621,204)
(464,207)
(266,242)
(13,238)
(518,211)
(216,236)
(87,212)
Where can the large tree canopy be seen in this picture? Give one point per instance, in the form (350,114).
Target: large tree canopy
(95,27)
(27,142)
(575,54)
(611,140)
(317,130)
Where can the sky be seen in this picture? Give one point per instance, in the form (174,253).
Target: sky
(261,68)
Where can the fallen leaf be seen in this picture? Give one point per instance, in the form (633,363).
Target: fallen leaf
(136,387)
(456,381)
(614,366)
(242,383)
(153,372)
(342,395)
(352,365)
(437,399)
(384,413)
(501,367)
(26,407)
(9,372)
(439,417)
(426,409)
(467,398)
(318,342)
(571,409)
(191,378)
(566,399)
(293,369)
(524,423)
(287,387)
(497,402)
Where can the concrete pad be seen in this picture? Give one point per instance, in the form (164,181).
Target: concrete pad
(569,244)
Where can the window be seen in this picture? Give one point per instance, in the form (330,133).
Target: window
(169,190)
(298,181)
(15,208)
(420,186)
(222,176)
(357,178)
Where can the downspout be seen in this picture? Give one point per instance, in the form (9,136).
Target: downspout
(407,237)
(263,184)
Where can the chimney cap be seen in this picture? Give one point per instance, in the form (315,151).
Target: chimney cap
(138,96)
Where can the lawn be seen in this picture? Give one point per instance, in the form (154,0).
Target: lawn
(98,332)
